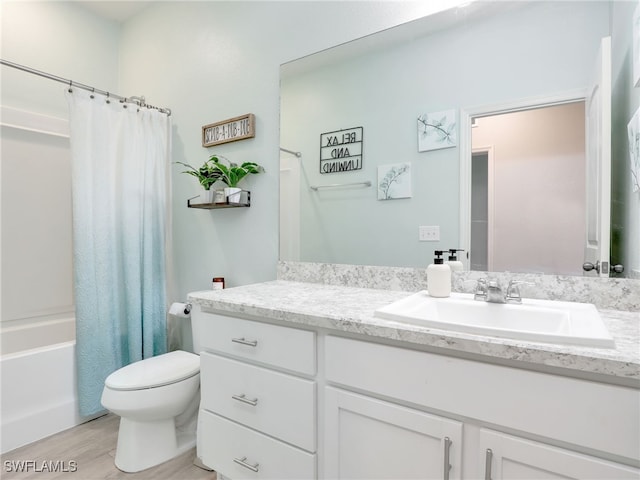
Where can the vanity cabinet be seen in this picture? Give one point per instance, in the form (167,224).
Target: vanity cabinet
(257,409)
(599,418)
(282,402)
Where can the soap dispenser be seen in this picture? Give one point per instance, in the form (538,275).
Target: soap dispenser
(453,262)
(438,277)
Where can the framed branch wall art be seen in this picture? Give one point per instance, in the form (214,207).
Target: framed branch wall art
(437,130)
(394,181)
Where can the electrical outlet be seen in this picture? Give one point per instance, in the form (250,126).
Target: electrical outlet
(429,233)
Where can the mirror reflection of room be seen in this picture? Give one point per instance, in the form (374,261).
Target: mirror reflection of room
(458,61)
(528,190)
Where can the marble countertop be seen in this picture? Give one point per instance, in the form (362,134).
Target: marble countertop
(349,309)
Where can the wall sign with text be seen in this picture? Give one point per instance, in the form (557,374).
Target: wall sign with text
(231,130)
(341,151)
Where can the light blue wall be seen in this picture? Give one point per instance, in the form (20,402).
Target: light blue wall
(59,38)
(535,50)
(207,61)
(625,214)
(210,61)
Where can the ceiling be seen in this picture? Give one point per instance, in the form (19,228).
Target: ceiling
(116,10)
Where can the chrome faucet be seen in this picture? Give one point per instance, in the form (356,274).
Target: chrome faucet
(490,291)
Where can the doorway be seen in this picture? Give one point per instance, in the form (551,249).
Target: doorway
(528,190)
(481,253)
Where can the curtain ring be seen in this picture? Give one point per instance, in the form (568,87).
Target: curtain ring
(92,96)
(70,84)
(108,101)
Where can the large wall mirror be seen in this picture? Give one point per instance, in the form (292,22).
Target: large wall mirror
(372,135)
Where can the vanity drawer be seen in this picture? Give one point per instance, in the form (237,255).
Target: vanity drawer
(238,452)
(284,347)
(576,411)
(275,403)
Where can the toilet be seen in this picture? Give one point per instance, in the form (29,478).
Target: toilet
(157,400)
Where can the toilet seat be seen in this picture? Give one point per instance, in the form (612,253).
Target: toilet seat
(156,371)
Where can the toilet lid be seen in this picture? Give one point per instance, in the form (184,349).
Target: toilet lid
(155,371)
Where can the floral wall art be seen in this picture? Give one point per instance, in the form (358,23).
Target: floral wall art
(394,181)
(633,129)
(437,130)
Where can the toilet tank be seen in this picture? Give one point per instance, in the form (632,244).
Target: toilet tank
(180,333)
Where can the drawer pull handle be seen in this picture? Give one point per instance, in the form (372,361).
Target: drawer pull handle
(447,464)
(242,398)
(242,461)
(251,343)
(487,464)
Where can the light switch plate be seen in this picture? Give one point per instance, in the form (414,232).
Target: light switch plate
(429,233)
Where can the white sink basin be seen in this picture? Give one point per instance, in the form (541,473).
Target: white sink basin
(533,320)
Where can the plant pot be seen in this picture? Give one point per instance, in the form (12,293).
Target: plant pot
(219,197)
(207,196)
(233,194)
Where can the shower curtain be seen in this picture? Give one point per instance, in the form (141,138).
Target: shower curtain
(120,187)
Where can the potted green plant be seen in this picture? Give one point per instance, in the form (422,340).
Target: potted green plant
(232,174)
(207,175)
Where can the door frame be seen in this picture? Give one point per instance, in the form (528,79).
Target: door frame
(289,208)
(597,248)
(466,114)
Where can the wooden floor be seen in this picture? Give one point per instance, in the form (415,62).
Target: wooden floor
(92,446)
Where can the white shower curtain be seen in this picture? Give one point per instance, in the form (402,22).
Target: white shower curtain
(120,183)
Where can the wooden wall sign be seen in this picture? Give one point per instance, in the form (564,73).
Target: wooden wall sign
(231,130)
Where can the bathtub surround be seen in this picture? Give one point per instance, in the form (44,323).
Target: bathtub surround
(120,185)
(38,378)
(39,406)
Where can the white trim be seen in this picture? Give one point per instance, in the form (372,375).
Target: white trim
(466,114)
(33,122)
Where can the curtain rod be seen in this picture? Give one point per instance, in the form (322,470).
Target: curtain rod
(137,100)
(292,152)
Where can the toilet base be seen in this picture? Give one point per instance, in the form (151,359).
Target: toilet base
(143,445)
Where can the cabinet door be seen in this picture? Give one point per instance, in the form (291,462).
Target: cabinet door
(507,457)
(367,438)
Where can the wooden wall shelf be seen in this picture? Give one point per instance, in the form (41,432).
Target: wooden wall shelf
(245,202)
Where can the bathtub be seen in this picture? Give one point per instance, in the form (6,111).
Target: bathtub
(38,393)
